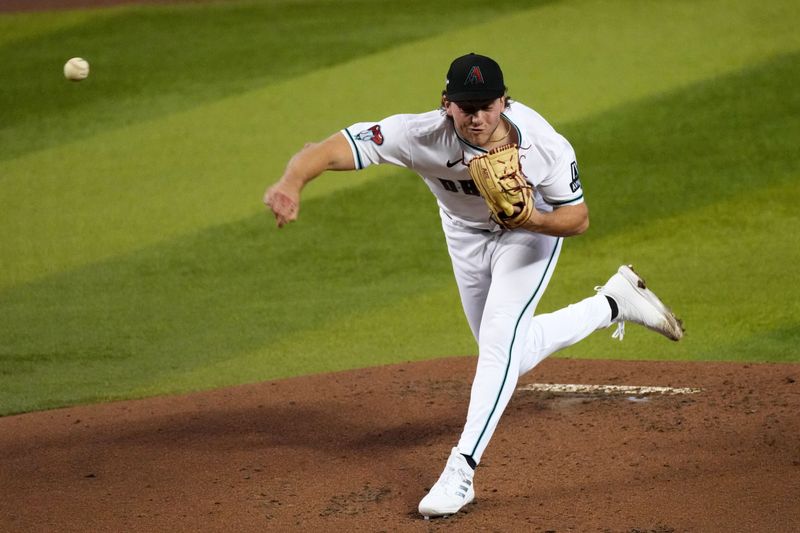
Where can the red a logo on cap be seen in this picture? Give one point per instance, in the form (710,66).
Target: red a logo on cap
(474,77)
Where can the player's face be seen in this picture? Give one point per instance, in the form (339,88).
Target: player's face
(476,121)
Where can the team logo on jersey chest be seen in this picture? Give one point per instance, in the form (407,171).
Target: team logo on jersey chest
(371,134)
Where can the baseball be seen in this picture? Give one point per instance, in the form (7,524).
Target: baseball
(76,69)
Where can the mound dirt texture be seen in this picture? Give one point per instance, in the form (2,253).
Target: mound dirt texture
(355,451)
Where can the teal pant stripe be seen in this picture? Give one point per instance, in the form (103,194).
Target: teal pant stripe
(511,346)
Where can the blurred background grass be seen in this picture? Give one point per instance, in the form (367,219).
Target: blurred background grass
(135,258)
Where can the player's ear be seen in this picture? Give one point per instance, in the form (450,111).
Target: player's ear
(446,106)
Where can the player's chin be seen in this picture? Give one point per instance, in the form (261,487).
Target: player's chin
(476,138)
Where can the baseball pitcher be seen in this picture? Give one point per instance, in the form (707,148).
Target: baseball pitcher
(508,192)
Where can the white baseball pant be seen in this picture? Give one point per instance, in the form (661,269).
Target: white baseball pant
(501,277)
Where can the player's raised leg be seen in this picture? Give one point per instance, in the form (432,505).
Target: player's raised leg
(624,297)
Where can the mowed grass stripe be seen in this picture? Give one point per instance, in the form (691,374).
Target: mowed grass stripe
(421,325)
(737,307)
(84,348)
(226,290)
(229,295)
(691,148)
(727,278)
(699,188)
(219,292)
(575,59)
(93,199)
(96,198)
(149,61)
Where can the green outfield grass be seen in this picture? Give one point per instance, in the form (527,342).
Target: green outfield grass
(136,259)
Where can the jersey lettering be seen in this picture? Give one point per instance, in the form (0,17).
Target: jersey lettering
(575,184)
(449,185)
(469,187)
(466,186)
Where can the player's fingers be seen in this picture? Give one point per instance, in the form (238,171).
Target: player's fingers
(284,208)
(268,195)
(284,203)
(286,218)
(281,220)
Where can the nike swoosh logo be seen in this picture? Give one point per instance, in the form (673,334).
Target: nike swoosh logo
(454,163)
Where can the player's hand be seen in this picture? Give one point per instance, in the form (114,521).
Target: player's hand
(283,202)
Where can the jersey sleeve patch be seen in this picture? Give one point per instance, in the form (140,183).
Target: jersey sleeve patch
(373,134)
(382,142)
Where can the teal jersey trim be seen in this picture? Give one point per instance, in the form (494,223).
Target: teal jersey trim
(513,339)
(359,164)
(519,132)
(469,143)
(567,201)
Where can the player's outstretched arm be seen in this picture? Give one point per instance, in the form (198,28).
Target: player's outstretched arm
(564,221)
(283,198)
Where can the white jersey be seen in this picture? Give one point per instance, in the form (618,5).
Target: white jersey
(429,144)
(501,275)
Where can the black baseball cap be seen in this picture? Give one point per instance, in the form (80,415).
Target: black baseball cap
(474,77)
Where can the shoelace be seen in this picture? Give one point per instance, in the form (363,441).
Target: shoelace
(455,477)
(619,333)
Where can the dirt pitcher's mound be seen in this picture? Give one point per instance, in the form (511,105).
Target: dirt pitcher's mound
(355,451)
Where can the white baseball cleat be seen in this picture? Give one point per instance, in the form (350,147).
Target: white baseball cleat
(639,305)
(452,491)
